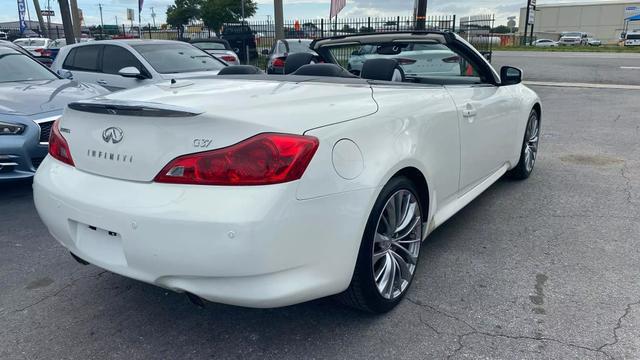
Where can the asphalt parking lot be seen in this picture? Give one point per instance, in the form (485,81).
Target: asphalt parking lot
(541,269)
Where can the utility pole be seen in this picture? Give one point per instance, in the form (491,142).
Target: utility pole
(49,18)
(278,16)
(101,22)
(75,16)
(43,30)
(153,16)
(421,14)
(67,24)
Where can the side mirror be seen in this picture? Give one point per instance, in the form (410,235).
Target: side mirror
(130,72)
(66,74)
(510,75)
(265,52)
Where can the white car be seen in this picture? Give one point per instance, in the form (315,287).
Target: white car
(320,183)
(632,39)
(35,46)
(545,43)
(124,64)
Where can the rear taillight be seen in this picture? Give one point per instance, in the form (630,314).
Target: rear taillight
(46,53)
(405,61)
(39,50)
(451,60)
(228,58)
(58,147)
(278,62)
(267,158)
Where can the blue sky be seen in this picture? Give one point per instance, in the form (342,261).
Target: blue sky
(293,9)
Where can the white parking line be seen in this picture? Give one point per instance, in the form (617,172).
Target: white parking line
(630,67)
(583,85)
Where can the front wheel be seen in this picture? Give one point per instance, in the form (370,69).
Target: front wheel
(389,250)
(529,150)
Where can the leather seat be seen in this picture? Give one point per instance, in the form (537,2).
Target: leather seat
(382,69)
(296,60)
(240,70)
(331,70)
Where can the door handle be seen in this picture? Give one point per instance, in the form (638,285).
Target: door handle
(469,111)
(102,82)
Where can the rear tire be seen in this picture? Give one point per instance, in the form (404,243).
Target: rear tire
(389,250)
(529,149)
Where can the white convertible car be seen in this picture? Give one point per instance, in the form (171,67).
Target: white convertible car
(264,190)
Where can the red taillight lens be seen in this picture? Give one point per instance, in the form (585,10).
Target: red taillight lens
(39,50)
(405,61)
(58,147)
(228,58)
(451,59)
(278,62)
(46,53)
(260,160)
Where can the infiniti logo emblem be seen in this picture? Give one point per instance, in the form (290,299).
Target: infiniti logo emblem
(112,134)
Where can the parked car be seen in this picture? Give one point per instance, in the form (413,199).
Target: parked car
(283,48)
(545,43)
(573,38)
(31,98)
(3,35)
(219,48)
(258,205)
(124,64)
(55,45)
(632,38)
(242,40)
(591,41)
(414,59)
(34,45)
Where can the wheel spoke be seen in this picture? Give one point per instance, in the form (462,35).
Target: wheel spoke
(409,229)
(407,217)
(405,272)
(412,259)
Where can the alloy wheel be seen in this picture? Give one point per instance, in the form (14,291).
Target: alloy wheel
(397,244)
(531,142)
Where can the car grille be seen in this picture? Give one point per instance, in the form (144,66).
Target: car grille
(45,131)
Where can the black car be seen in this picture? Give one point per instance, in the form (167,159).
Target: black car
(241,39)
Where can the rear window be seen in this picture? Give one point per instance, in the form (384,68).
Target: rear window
(37,42)
(84,58)
(236,29)
(56,44)
(209,45)
(177,58)
(21,42)
(633,36)
(299,46)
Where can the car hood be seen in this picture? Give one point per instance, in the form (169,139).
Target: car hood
(34,97)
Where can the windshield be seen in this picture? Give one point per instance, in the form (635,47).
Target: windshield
(299,46)
(177,58)
(15,66)
(633,36)
(56,44)
(573,34)
(209,45)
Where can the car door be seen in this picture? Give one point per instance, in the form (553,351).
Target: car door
(114,59)
(487,116)
(83,63)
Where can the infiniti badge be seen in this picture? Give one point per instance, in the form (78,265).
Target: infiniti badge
(112,134)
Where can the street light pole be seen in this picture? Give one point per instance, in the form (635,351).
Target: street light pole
(278,18)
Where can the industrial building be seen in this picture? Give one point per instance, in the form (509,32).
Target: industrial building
(604,19)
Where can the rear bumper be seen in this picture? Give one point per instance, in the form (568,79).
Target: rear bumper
(255,246)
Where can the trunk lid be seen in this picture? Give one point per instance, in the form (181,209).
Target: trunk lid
(133,140)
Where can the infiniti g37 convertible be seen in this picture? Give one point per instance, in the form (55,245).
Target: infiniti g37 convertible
(264,190)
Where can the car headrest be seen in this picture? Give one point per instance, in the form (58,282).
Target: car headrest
(331,70)
(382,69)
(240,70)
(296,60)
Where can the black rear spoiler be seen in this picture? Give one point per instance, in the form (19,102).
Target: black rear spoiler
(132,108)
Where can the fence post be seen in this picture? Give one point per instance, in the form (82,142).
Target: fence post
(124,32)
(149,25)
(398,24)
(57,32)
(369,24)
(453,27)
(321,27)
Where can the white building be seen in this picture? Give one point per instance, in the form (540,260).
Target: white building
(603,19)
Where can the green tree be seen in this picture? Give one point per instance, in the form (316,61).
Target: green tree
(215,13)
(501,29)
(182,12)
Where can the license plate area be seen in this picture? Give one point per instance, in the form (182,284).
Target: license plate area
(103,245)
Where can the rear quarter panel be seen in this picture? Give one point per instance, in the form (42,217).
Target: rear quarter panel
(414,127)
